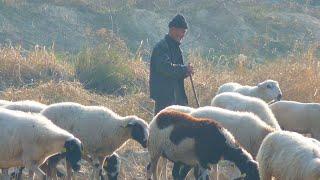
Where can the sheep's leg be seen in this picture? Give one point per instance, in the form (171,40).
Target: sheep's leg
(203,173)
(180,171)
(152,168)
(36,169)
(175,170)
(69,171)
(5,174)
(101,162)
(19,174)
(31,174)
(94,171)
(52,165)
(165,168)
(215,168)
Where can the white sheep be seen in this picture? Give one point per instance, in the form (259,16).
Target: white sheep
(267,90)
(298,117)
(182,138)
(289,155)
(25,106)
(180,108)
(248,129)
(27,140)
(101,130)
(238,102)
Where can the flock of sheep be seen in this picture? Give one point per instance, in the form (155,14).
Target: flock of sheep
(255,139)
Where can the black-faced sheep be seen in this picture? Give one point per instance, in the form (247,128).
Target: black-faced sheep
(27,140)
(101,130)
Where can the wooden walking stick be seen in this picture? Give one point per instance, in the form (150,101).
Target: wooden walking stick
(194,91)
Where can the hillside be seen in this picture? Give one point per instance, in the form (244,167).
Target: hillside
(261,29)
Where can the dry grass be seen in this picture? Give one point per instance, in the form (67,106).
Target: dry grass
(298,78)
(19,69)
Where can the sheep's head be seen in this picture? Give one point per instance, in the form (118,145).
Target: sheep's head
(112,166)
(269,90)
(73,148)
(252,172)
(139,130)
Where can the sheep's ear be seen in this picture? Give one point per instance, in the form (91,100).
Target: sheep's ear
(260,85)
(131,123)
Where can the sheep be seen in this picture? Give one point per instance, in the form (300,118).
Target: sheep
(28,140)
(182,138)
(248,129)
(25,106)
(299,117)
(238,102)
(180,108)
(289,155)
(112,166)
(267,90)
(101,130)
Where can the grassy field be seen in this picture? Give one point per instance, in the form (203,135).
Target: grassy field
(43,76)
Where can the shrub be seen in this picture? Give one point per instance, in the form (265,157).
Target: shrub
(110,70)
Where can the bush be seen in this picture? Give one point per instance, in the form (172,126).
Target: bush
(109,70)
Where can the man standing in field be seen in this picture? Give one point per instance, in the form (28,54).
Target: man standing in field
(167,70)
(167,74)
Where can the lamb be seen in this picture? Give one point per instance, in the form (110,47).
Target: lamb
(180,137)
(299,117)
(101,130)
(25,106)
(112,166)
(238,102)
(267,90)
(289,155)
(28,140)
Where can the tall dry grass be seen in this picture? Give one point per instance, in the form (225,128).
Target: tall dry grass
(298,76)
(20,68)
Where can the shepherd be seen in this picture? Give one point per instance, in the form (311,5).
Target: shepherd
(168,71)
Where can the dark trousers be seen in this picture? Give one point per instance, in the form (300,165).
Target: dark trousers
(160,104)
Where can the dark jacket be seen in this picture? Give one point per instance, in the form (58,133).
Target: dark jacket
(167,72)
